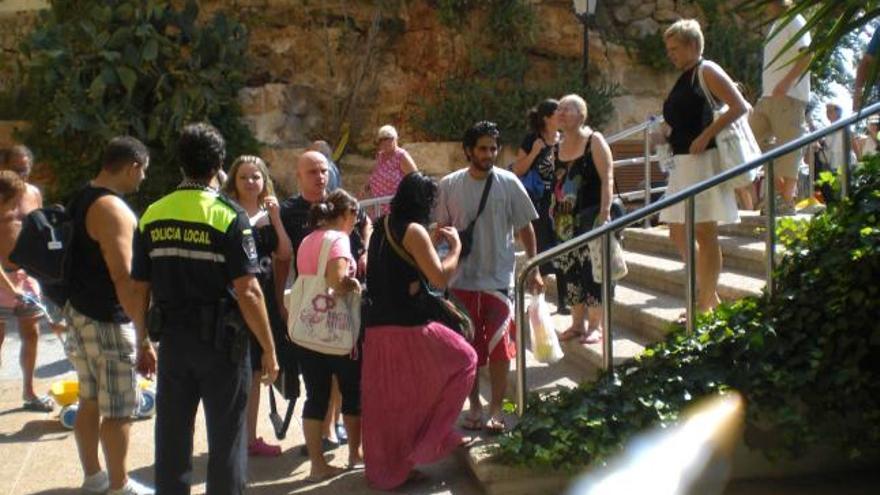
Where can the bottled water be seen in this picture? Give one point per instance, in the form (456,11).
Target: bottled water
(442,249)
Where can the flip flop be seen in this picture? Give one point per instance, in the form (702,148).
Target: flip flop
(592,337)
(468,442)
(495,425)
(415,476)
(334,472)
(39,404)
(472,423)
(682,319)
(570,334)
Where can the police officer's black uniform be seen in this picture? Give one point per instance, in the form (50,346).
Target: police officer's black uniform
(190,246)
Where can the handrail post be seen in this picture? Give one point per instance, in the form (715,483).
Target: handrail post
(690,264)
(520,307)
(770,204)
(607,342)
(648,170)
(847,150)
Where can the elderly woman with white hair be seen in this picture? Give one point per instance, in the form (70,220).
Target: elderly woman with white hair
(691,132)
(392,165)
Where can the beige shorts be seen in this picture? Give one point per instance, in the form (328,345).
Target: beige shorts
(783,119)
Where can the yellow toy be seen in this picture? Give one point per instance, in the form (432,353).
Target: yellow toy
(66,395)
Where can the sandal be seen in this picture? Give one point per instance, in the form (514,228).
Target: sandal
(332,473)
(341,433)
(259,448)
(472,422)
(468,442)
(570,334)
(594,336)
(682,319)
(415,476)
(38,404)
(495,425)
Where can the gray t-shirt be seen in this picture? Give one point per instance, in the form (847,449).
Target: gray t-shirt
(490,265)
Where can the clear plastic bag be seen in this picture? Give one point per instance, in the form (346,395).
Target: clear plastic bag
(545,344)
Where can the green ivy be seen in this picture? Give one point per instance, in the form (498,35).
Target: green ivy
(734,43)
(806,359)
(496,84)
(100,68)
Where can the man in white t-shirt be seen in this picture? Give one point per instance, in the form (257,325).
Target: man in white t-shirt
(780,113)
(483,278)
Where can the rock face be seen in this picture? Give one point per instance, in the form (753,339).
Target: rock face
(339,69)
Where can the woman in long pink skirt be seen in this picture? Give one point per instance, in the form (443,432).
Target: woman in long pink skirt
(416,373)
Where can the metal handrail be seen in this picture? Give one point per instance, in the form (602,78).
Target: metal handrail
(374,205)
(687,195)
(645,128)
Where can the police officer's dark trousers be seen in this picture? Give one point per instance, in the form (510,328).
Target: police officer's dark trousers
(191,370)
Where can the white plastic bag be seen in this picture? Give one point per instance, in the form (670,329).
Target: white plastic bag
(545,344)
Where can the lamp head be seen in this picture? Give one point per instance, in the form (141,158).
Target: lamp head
(582,7)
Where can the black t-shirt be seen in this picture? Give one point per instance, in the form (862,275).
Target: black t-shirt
(545,162)
(190,245)
(294,214)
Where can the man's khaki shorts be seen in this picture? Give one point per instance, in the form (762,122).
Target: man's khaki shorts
(784,119)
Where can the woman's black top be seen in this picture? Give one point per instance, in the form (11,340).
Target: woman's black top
(389,278)
(92,292)
(545,162)
(266,241)
(687,112)
(578,190)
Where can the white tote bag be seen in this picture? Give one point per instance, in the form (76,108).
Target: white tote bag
(736,143)
(618,260)
(318,319)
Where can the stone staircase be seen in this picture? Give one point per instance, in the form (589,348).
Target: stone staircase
(651,297)
(646,303)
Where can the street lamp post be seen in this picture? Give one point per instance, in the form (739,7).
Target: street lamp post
(584,11)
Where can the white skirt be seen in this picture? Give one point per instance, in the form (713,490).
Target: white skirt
(715,205)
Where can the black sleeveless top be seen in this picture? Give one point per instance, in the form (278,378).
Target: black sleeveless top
(388,282)
(578,187)
(687,112)
(266,241)
(92,292)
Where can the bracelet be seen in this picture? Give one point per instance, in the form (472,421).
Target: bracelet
(146,343)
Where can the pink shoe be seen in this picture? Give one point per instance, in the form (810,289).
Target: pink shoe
(259,448)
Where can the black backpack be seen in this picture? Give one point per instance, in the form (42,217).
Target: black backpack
(43,250)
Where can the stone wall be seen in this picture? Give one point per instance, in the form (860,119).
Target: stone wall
(339,69)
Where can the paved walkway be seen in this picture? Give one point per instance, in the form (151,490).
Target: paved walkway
(38,456)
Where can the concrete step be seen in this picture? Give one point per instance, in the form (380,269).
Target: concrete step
(627,345)
(668,275)
(751,224)
(754,224)
(644,311)
(742,253)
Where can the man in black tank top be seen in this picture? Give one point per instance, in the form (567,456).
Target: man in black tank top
(102,343)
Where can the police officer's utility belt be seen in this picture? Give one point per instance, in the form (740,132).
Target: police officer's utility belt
(218,323)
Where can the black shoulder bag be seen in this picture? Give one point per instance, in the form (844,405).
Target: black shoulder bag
(444,308)
(467,235)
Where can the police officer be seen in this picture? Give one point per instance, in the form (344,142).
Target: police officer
(195,253)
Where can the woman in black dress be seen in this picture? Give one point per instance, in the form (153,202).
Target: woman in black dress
(250,185)
(584,181)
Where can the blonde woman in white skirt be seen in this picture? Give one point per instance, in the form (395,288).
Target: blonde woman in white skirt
(690,133)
